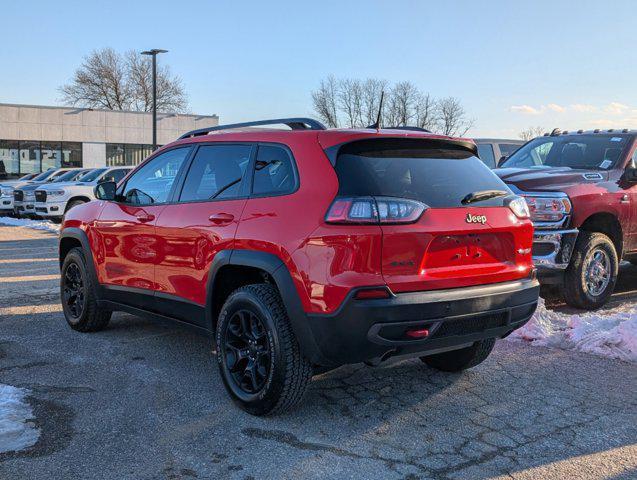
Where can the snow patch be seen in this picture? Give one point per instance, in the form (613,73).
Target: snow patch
(610,333)
(17,432)
(25,222)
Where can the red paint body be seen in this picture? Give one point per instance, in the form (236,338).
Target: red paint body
(169,248)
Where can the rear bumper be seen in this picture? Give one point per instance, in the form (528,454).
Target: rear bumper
(375,329)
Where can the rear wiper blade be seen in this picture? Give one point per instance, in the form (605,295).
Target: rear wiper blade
(483,195)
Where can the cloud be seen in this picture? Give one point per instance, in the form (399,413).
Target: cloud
(583,107)
(615,108)
(555,107)
(525,109)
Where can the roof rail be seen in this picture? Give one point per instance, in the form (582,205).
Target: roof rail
(299,123)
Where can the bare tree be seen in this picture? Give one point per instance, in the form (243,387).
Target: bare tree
(426,112)
(170,91)
(372,91)
(402,103)
(355,103)
(350,101)
(109,80)
(531,132)
(100,82)
(325,101)
(452,118)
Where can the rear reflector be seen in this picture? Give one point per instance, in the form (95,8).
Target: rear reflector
(370,293)
(374,210)
(422,333)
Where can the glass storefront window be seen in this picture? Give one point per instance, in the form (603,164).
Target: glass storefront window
(118,155)
(71,154)
(51,155)
(9,159)
(114,155)
(30,157)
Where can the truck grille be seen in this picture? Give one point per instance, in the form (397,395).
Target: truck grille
(40,196)
(469,325)
(18,195)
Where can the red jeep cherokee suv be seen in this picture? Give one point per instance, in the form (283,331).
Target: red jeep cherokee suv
(306,249)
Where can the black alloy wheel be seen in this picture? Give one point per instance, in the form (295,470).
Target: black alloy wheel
(73,290)
(247,351)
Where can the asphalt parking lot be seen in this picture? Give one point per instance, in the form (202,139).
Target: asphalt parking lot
(143,400)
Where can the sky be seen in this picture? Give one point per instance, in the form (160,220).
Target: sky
(512,65)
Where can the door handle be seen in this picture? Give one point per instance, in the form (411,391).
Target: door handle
(221,218)
(145,217)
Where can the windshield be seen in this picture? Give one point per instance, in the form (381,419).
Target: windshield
(440,176)
(589,152)
(69,176)
(28,176)
(43,176)
(92,175)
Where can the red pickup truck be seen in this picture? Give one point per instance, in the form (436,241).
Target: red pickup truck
(581,188)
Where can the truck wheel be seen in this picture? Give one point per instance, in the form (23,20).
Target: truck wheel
(259,358)
(457,360)
(77,292)
(72,204)
(591,276)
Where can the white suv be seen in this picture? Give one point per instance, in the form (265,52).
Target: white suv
(52,201)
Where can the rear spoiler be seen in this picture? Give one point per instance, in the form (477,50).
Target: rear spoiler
(469,146)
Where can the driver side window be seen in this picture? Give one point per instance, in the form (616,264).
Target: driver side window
(152,183)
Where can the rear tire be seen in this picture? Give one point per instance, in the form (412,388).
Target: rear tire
(457,360)
(77,294)
(259,358)
(592,274)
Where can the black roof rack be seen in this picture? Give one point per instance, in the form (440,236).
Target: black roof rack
(299,123)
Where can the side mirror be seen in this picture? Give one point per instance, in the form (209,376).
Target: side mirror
(630,174)
(502,160)
(105,191)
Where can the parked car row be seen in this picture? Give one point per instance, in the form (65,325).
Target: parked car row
(54,192)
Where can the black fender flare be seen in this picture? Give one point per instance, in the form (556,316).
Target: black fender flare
(279,272)
(81,236)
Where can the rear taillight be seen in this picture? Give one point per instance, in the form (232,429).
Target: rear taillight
(368,210)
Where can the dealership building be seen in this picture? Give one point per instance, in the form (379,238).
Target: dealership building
(36,138)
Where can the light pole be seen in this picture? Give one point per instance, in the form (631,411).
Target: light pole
(154,53)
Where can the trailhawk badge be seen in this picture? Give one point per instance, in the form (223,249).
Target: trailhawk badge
(476,219)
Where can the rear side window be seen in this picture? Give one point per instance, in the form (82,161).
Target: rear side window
(485,151)
(273,172)
(439,175)
(508,149)
(217,171)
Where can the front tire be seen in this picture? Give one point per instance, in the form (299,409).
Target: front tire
(458,360)
(259,358)
(592,274)
(77,292)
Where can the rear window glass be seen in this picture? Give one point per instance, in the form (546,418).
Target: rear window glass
(439,176)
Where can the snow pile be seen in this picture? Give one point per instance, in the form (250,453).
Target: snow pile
(610,333)
(25,222)
(16,430)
